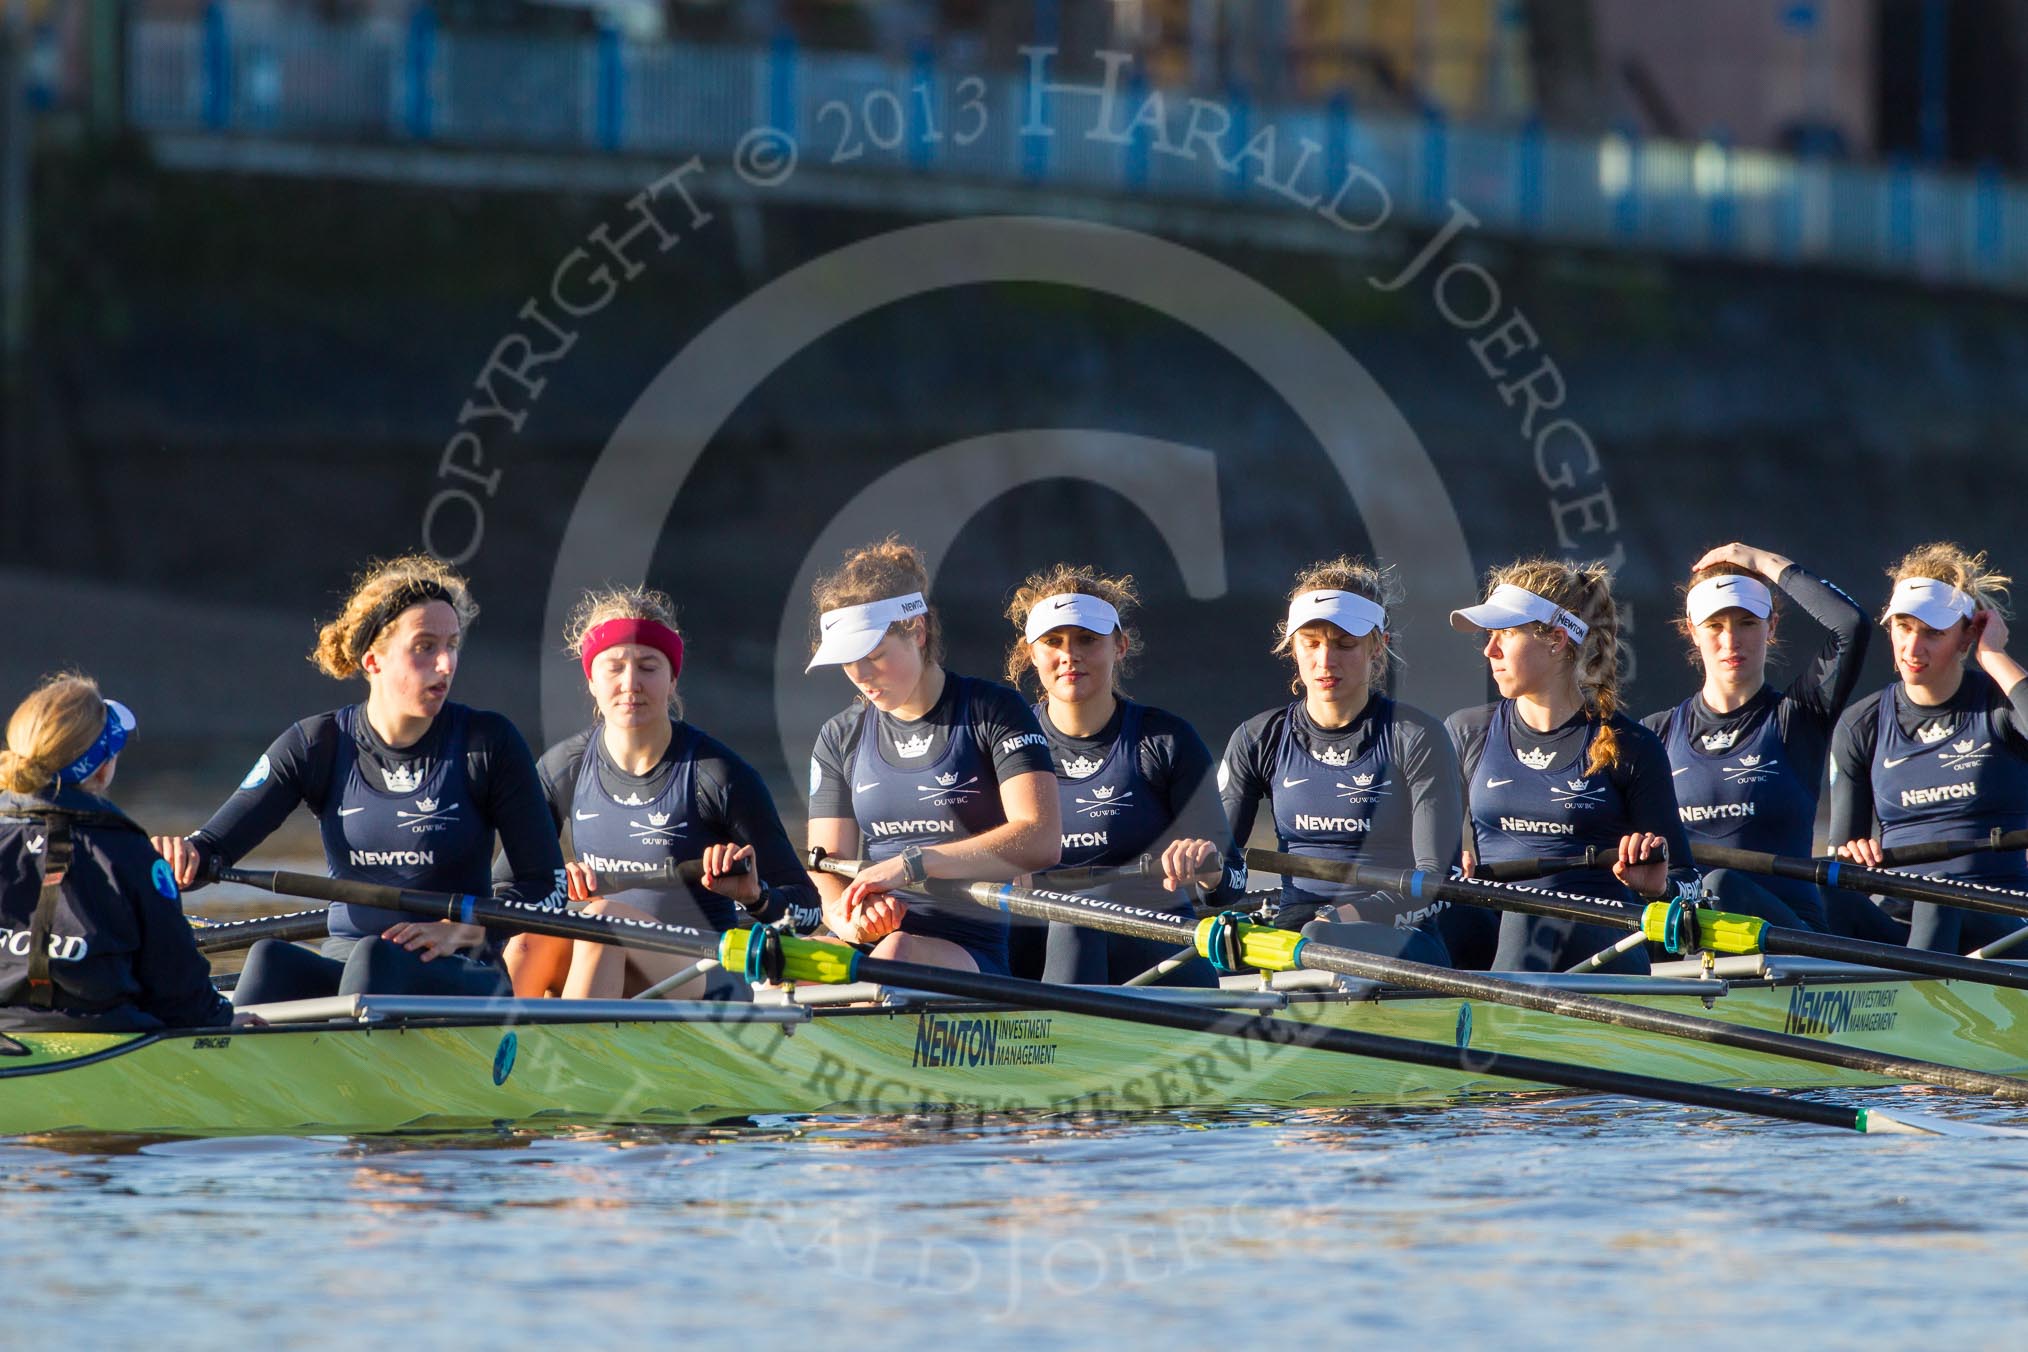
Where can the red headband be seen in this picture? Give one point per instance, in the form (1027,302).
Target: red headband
(652,633)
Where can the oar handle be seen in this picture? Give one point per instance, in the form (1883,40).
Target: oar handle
(1147,866)
(1936,851)
(1422,885)
(667,876)
(1839,873)
(1541,866)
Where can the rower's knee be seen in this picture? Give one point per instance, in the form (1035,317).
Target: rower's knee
(919,948)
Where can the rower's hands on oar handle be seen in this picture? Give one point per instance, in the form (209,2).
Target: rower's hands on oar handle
(867,911)
(185,860)
(718,861)
(1864,852)
(434,938)
(1187,863)
(1643,864)
(1765,562)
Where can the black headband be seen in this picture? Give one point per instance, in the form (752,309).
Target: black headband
(411,593)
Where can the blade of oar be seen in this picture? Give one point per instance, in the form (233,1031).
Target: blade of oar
(1838,873)
(649,936)
(1116,918)
(1771,939)
(223,936)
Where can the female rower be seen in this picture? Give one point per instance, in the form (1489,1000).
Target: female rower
(1131,780)
(409,790)
(1747,759)
(1941,754)
(1553,766)
(1346,771)
(933,774)
(641,788)
(92,934)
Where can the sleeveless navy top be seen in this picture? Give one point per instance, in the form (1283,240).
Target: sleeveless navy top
(1325,808)
(1749,796)
(614,837)
(1520,811)
(1112,812)
(1954,779)
(423,832)
(955,797)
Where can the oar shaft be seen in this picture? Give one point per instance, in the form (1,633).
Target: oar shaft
(1774,939)
(1838,873)
(225,935)
(1118,918)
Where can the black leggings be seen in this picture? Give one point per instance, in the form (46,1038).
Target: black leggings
(282,971)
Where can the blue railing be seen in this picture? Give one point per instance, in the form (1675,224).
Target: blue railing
(413,82)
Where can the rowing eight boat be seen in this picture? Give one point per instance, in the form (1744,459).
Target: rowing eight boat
(362,1064)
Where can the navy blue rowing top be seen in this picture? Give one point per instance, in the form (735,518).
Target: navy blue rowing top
(421,832)
(1750,795)
(614,837)
(1953,778)
(1523,809)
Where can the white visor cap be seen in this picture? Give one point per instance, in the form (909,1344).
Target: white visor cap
(850,632)
(1350,611)
(1510,607)
(1728,591)
(1937,604)
(1079,608)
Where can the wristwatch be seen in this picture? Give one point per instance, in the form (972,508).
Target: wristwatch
(912,867)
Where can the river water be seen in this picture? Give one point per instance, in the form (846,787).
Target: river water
(1544,1223)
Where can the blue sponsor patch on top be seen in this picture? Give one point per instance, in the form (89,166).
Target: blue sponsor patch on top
(164,879)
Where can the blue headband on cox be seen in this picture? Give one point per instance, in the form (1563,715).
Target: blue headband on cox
(119,726)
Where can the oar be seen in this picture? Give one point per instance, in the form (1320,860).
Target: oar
(1231,945)
(1838,873)
(1540,866)
(767,954)
(1935,851)
(223,936)
(666,876)
(1722,931)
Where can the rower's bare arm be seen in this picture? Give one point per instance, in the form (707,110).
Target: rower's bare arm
(838,836)
(1030,840)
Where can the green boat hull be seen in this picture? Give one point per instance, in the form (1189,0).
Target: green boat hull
(447,1074)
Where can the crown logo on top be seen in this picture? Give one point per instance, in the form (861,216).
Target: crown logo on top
(1332,757)
(632,800)
(402,779)
(658,819)
(1933,731)
(1081,767)
(914,746)
(1963,748)
(1748,762)
(1362,780)
(1102,792)
(1578,785)
(425,805)
(949,779)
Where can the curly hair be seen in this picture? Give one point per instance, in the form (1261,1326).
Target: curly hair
(875,572)
(1117,592)
(379,595)
(1947,561)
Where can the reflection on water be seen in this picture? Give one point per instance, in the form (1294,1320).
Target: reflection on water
(1540,1222)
